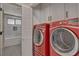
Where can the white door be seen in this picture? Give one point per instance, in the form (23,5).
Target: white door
(71,10)
(56,11)
(12,35)
(1,31)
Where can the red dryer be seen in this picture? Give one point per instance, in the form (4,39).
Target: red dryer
(64,37)
(41,40)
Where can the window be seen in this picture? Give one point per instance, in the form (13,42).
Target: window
(18,21)
(10,21)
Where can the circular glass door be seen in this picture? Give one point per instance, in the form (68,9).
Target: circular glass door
(38,37)
(64,41)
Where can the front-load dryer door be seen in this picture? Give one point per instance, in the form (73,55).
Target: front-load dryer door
(38,37)
(64,42)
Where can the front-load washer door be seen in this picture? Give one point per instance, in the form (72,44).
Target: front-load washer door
(38,37)
(64,42)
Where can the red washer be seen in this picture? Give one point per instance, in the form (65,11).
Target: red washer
(64,37)
(41,40)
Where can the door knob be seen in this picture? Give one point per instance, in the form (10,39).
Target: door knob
(0,33)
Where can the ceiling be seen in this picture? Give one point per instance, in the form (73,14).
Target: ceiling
(29,4)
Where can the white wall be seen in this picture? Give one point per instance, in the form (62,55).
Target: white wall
(26,31)
(58,11)
(36,15)
(40,13)
(44,12)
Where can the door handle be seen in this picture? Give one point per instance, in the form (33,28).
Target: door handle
(0,9)
(0,33)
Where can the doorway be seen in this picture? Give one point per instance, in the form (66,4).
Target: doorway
(12,35)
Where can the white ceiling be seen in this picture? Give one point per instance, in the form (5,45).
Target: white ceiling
(29,4)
